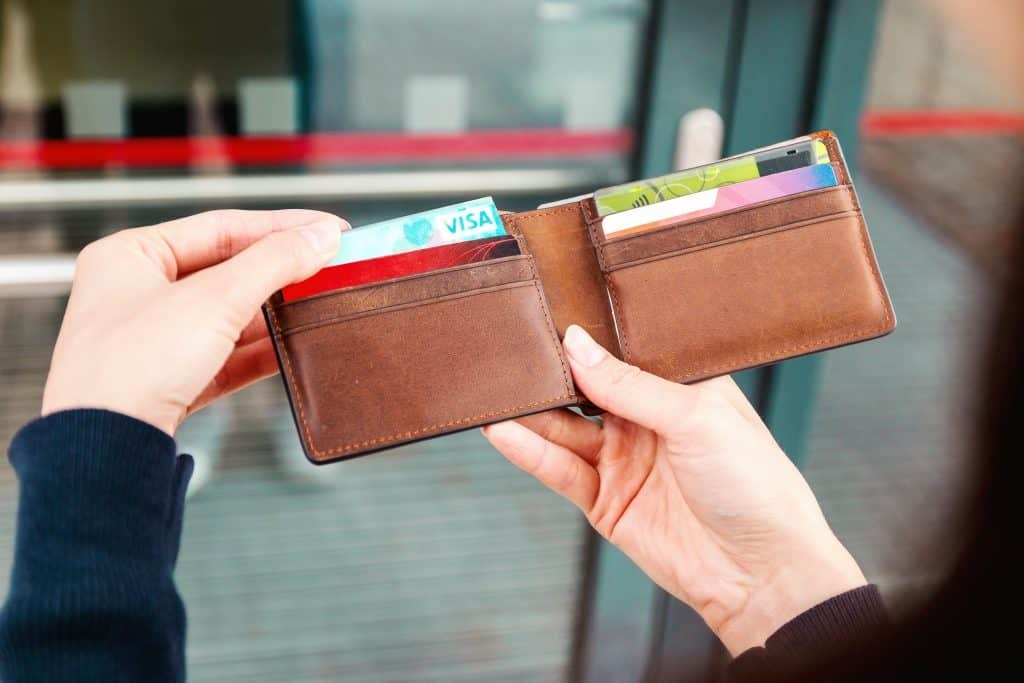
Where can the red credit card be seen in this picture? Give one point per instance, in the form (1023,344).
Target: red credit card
(397,265)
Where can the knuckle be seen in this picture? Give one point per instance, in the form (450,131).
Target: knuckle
(94,249)
(87,256)
(97,252)
(224,243)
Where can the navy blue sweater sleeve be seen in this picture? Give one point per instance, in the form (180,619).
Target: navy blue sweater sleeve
(92,597)
(855,617)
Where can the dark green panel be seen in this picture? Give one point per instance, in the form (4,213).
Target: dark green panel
(749,381)
(794,387)
(620,629)
(845,65)
(775,68)
(690,71)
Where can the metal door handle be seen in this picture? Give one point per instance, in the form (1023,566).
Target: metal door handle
(699,138)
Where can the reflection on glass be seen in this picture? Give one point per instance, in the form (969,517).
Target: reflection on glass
(323,72)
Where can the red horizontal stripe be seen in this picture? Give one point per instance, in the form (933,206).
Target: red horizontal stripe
(318,148)
(938,122)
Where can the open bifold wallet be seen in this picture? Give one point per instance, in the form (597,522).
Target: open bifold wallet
(372,366)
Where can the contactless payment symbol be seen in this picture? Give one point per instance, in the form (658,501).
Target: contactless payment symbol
(419,231)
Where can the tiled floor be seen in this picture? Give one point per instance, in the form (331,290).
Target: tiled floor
(435,562)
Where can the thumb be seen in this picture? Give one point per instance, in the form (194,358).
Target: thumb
(247,279)
(623,389)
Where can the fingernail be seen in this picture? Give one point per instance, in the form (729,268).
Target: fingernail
(322,236)
(582,348)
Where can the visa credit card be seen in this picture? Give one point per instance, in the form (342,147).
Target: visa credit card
(470,220)
(398,265)
(718,200)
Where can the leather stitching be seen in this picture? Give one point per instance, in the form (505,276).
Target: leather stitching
(575,207)
(782,354)
(689,222)
(616,306)
(392,308)
(521,238)
(694,248)
(873,264)
(554,336)
(290,377)
(436,427)
(320,453)
(428,275)
(819,344)
(545,213)
(512,223)
(619,320)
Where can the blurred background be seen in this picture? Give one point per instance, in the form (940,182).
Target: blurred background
(439,561)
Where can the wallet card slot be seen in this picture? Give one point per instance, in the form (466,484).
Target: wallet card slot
(418,369)
(398,307)
(747,302)
(350,301)
(764,216)
(710,245)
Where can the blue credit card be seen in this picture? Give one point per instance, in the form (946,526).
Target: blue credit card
(470,220)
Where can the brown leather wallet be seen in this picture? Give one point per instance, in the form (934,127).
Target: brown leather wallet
(382,364)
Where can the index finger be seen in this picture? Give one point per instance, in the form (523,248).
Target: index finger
(206,239)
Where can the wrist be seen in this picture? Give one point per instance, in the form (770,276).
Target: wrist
(164,418)
(803,581)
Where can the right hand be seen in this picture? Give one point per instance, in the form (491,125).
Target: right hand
(689,483)
(165,319)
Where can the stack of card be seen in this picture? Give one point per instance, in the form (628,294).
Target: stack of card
(473,231)
(798,166)
(451,236)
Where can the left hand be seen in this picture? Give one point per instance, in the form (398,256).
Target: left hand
(165,319)
(688,482)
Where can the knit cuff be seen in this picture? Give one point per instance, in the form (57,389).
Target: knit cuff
(856,616)
(101,478)
(849,616)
